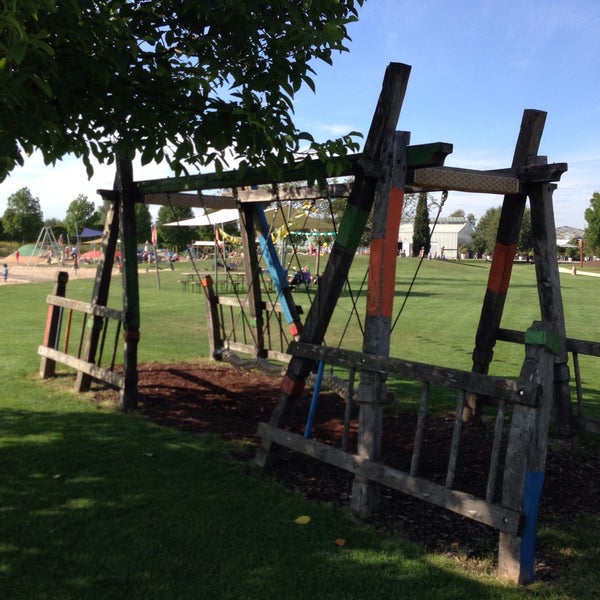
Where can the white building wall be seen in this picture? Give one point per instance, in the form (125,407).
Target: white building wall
(448,236)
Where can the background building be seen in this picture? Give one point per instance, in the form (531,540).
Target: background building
(449,234)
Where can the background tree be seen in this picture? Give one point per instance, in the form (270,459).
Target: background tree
(23,218)
(208,80)
(470,218)
(80,213)
(57,226)
(484,236)
(592,231)
(175,237)
(144,223)
(525,243)
(421,235)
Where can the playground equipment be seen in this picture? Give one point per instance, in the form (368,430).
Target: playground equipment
(387,168)
(47,249)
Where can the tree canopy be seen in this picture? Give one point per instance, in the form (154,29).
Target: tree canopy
(421,234)
(187,82)
(80,213)
(23,219)
(592,216)
(486,230)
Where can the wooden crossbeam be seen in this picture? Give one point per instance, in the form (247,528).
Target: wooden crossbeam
(86,307)
(463,180)
(296,193)
(499,181)
(499,517)
(496,387)
(190,200)
(114,379)
(422,155)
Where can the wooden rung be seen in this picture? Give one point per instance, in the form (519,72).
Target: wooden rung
(348,410)
(455,439)
(115,346)
(102,341)
(578,384)
(463,180)
(416,456)
(67,331)
(495,457)
(79,364)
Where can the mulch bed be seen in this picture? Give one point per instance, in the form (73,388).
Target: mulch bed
(215,398)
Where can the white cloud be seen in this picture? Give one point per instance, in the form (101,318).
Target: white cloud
(56,187)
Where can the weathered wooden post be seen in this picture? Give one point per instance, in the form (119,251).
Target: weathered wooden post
(526,454)
(47,365)
(252,274)
(131,296)
(100,291)
(509,227)
(351,228)
(372,391)
(551,305)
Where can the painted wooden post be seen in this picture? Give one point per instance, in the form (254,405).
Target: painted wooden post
(526,454)
(351,228)
(252,274)
(100,291)
(511,216)
(278,275)
(372,390)
(131,297)
(47,365)
(215,342)
(551,305)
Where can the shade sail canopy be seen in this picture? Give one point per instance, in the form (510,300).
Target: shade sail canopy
(86,232)
(226,215)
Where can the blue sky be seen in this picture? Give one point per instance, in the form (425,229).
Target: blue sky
(476,65)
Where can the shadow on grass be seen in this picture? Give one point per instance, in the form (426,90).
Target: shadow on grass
(103,505)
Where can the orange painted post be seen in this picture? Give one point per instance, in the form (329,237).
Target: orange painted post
(215,343)
(372,393)
(351,229)
(509,227)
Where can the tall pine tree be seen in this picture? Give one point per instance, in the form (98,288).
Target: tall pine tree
(421,237)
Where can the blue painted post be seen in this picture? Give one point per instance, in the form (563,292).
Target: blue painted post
(315,399)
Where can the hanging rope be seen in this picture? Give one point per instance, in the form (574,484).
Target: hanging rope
(414,278)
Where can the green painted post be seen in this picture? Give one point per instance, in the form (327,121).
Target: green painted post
(131,295)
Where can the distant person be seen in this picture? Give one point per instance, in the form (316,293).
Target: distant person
(5,272)
(17,255)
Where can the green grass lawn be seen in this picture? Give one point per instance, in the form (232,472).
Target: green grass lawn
(97,504)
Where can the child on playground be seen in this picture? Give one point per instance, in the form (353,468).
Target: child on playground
(5,271)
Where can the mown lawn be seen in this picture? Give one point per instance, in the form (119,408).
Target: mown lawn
(97,504)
